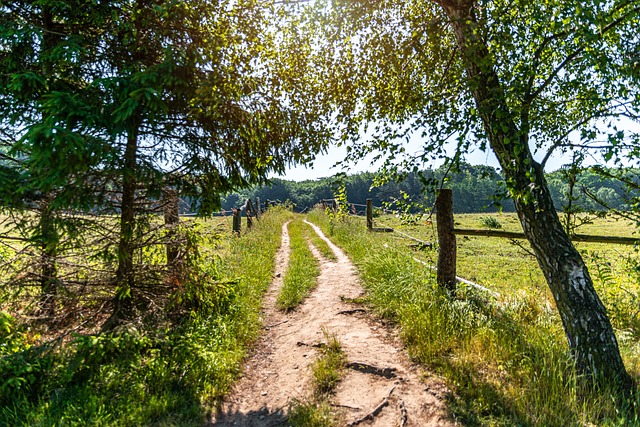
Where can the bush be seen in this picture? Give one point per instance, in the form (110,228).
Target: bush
(490,222)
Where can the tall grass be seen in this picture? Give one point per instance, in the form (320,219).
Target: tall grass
(302,274)
(155,373)
(506,361)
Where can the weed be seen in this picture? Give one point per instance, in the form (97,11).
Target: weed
(328,368)
(490,222)
(310,414)
(302,273)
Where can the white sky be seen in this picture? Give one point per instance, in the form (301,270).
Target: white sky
(323,166)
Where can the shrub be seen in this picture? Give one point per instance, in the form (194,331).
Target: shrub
(490,222)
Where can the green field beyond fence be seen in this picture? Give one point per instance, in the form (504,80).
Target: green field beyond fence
(502,353)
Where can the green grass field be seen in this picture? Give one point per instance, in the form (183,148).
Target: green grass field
(161,372)
(505,359)
(506,265)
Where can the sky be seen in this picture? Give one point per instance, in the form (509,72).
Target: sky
(323,166)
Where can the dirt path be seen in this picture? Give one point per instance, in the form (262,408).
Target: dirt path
(279,369)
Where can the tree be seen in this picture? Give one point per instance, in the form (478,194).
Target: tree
(526,79)
(109,103)
(37,69)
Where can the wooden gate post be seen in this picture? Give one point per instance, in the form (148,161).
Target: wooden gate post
(369,214)
(250,212)
(236,220)
(446,273)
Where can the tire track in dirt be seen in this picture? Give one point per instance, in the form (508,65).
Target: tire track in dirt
(278,370)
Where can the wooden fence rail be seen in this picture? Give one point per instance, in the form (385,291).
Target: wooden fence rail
(446,270)
(574,237)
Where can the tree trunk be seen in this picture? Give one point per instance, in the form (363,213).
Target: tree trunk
(591,338)
(123,309)
(49,252)
(46,228)
(171,210)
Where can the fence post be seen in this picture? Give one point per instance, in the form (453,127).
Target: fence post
(369,214)
(250,211)
(171,219)
(258,213)
(446,273)
(236,220)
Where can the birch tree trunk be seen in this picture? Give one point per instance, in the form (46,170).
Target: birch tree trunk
(591,337)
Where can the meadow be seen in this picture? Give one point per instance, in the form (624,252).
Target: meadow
(170,369)
(502,354)
(504,357)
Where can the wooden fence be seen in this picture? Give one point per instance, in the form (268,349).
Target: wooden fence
(446,268)
(251,213)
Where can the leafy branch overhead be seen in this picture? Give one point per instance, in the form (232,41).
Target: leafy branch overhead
(566,68)
(195,82)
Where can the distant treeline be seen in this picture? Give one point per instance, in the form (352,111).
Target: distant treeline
(476,188)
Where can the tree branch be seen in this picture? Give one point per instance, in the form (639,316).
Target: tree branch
(575,54)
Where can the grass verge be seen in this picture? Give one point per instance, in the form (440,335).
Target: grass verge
(327,372)
(319,243)
(164,374)
(506,361)
(302,274)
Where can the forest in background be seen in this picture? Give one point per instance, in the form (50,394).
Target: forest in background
(476,189)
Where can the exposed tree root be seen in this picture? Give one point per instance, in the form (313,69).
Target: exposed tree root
(316,345)
(369,369)
(404,416)
(371,415)
(354,311)
(355,408)
(275,324)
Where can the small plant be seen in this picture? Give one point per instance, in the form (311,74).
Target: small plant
(404,208)
(490,222)
(340,211)
(310,414)
(327,370)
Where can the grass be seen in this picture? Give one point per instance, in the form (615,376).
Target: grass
(505,359)
(507,266)
(302,274)
(319,243)
(310,414)
(328,368)
(167,374)
(327,371)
